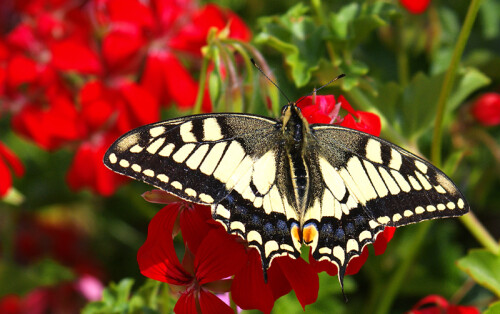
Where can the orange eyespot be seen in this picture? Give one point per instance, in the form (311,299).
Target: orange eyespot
(310,233)
(296,234)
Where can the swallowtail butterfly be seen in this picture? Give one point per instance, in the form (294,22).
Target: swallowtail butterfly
(282,183)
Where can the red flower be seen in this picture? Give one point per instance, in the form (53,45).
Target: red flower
(214,257)
(249,291)
(161,33)
(486,109)
(324,109)
(415,6)
(8,161)
(435,304)
(88,171)
(52,125)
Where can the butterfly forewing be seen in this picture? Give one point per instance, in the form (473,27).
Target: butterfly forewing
(197,158)
(367,184)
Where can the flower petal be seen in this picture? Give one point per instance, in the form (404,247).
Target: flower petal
(12,160)
(211,304)
(302,277)
(382,239)
(218,256)
(187,303)
(156,257)
(249,291)
(88,171)
(72,55)
(193,223)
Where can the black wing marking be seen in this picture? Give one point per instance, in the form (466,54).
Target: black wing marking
(197,158)
(372,184)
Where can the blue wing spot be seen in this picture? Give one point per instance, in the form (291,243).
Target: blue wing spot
(281,225)
(339,235)
(269,228)
(327,229)
(349,228)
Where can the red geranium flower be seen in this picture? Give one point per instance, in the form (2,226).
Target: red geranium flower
(162,32)
(435,304)
(8,161)
(486,109)
(415,6)
(248,289)
(324,109)
(88,171)
(208,260)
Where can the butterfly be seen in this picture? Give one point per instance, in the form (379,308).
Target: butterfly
(281,183)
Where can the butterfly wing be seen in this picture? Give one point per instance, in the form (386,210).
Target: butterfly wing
(363,184)
(233,162)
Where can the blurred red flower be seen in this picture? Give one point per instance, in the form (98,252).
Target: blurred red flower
(8,162)
(486,109)
(70,71)
(165,36)
(415,6)
(435,304)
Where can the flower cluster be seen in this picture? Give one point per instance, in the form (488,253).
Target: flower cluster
(77,74)
(216,262)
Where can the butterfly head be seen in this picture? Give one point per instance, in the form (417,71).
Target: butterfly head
(293,121)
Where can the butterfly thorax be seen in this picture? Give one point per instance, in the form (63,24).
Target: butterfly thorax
(296,133)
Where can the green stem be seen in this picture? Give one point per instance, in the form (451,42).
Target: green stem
(402,271)
(449,80)
(202,83)
(482,235)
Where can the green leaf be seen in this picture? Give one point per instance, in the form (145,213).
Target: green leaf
(413,109)
(298,38)
(118,298)
(470,81)
(490,20)
(493,308)
(484,267)
(353,23)
(342,20)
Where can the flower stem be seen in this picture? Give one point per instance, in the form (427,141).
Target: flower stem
(449,80)
(201,85)
(401,272)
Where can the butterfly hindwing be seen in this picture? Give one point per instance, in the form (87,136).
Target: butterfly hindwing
(367,184)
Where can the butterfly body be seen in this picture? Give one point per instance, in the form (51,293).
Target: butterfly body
(283,183)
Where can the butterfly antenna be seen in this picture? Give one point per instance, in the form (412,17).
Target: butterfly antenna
(317,89)
(267,77)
